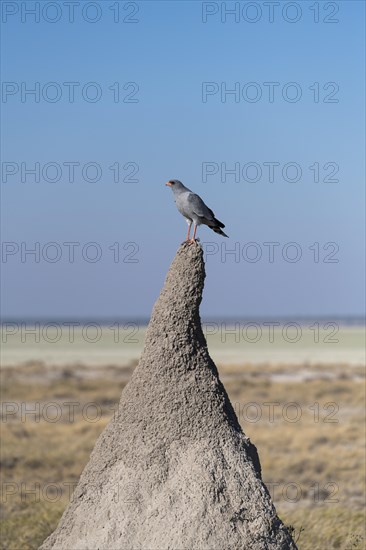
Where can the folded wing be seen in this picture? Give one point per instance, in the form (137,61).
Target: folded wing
(198,207)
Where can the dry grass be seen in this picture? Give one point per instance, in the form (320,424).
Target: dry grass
(314,467)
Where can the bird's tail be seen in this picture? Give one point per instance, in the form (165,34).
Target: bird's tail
(218,227)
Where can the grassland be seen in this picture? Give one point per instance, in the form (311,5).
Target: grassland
(307,422)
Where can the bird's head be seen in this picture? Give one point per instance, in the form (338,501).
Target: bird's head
(175,184)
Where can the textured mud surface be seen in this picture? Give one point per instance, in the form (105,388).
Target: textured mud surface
(173,469)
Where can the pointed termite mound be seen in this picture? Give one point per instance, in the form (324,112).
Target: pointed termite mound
(173,469)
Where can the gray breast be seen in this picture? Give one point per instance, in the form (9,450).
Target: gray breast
(183,205)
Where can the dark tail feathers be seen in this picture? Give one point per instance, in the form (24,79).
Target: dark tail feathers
(217,227)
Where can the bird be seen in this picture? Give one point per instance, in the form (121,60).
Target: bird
(195,211)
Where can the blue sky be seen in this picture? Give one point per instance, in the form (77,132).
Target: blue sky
(168,131)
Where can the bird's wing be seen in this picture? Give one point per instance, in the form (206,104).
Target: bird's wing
(198,207)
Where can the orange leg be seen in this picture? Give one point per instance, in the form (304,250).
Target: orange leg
(194,234)
(189,231)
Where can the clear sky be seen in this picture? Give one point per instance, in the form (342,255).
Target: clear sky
(143,88)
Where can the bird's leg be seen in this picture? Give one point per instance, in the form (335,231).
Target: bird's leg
(193,240)
(189,230)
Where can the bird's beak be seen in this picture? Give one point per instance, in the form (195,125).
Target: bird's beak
(168,184)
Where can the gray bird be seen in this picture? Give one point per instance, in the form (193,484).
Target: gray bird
(192,207)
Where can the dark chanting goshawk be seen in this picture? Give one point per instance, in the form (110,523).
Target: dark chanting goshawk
(195,211)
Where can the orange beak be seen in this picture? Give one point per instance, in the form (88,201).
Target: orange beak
(168,184)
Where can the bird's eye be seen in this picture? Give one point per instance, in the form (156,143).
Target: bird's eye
(172,182)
